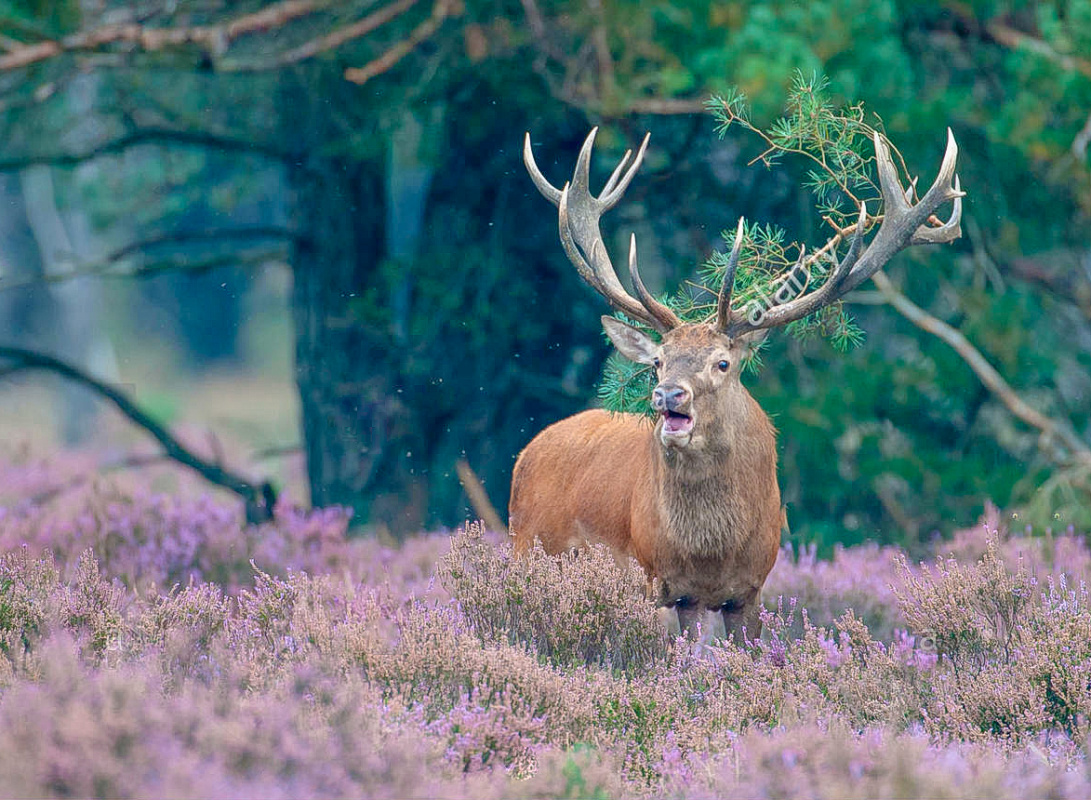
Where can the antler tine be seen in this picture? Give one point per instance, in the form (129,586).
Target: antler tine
(760,317)
(948,231)
(724,314)
(855,249)
(578,221)
(548,190)
(612,181)
(904,224)
(597,270)
(581,177)
(611,194)
(665,315)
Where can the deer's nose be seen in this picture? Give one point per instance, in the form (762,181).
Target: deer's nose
(669,397)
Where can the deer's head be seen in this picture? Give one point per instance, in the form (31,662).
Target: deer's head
(698,363)
(698,391)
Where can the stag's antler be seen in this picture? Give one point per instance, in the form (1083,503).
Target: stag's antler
(582,239)
(903,225)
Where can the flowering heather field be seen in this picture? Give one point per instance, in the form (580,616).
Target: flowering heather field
(150,645)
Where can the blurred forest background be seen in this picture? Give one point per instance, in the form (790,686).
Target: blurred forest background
(303,230)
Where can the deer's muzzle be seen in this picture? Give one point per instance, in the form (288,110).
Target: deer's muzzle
(673,404)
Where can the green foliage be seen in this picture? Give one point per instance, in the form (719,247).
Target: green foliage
(29,19)
(626,386)
(834,140)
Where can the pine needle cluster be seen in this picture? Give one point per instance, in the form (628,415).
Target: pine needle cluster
(837,143)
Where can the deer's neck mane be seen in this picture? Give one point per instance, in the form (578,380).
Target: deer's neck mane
(707,500)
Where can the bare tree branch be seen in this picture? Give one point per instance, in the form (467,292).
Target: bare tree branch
(259,499)
(214,38)
(1053,432)
(440,11)
(1013,38)
(564,90)
(334,39)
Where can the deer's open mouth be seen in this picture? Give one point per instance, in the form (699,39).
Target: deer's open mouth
(676,424)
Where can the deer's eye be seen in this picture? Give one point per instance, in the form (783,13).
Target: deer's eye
(656,363)
(723,366)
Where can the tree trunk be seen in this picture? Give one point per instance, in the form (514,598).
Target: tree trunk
(357,426)
(411,317)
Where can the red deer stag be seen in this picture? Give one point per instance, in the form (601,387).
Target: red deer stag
(692,496)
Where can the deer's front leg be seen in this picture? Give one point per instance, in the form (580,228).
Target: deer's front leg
(689,617)
(742,618)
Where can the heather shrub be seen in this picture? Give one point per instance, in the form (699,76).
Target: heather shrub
(405,569)
(860,578)
(542,677)
(833,760)
(579,772)
(1015,658)
(971,613)
(577,608)
(483,733)
(92,606)
(156,541)
(25,587)
(800,671)
(1055,651)
(182,627)
(34,601)
(117,733)
(282,623)
(435,661)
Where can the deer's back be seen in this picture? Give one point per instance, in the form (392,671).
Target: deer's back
(576,480)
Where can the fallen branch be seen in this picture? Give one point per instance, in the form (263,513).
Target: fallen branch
(479,498)
(259,499)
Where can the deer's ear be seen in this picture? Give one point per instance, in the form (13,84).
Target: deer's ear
(752,341)
(631,343)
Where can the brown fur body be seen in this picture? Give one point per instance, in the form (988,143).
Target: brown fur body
(704,518)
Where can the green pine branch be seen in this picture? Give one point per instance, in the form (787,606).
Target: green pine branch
(838,144)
